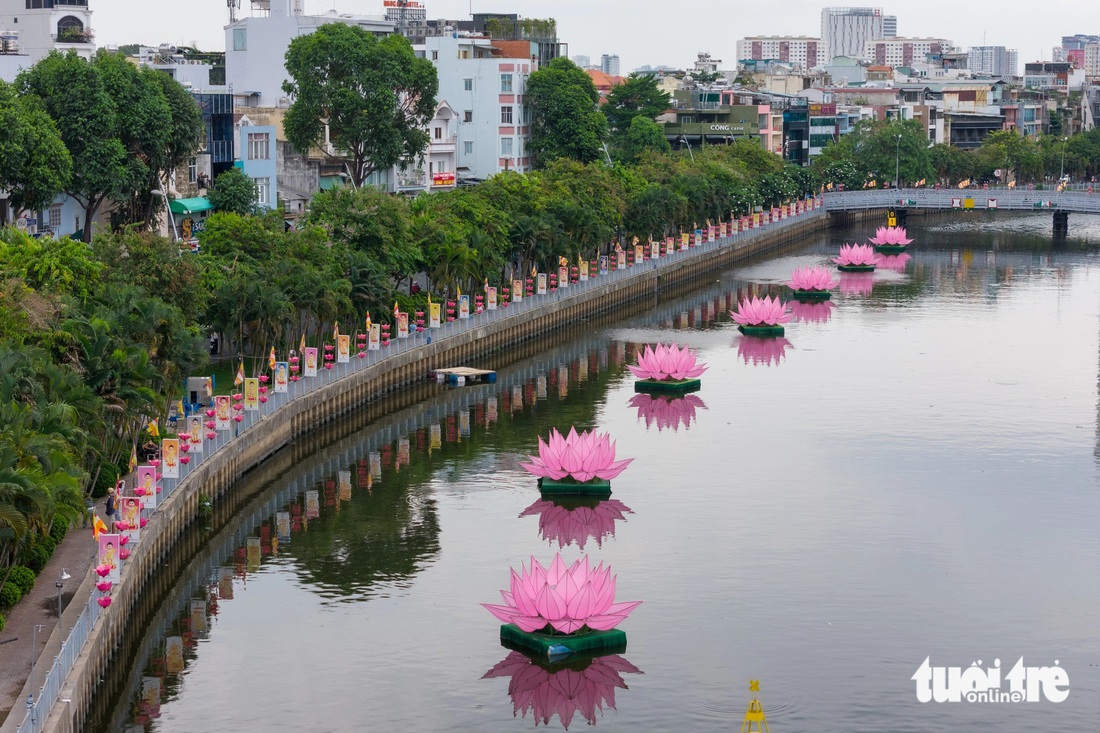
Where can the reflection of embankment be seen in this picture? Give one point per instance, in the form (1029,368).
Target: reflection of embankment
(335,558)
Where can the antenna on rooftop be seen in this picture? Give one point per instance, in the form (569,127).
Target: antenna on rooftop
(233,5)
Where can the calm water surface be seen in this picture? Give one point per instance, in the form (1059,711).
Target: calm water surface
(912,473)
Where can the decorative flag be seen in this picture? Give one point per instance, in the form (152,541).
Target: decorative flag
(182,411)
(458,291)
(485,287)
(209,386)
(368,322)
(302,343)
(133,457)
(335,330)
(239,379)
(154,431)
(271,359)
(98,527)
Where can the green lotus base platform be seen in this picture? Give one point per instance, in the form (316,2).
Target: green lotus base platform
(890,249)
(811,296)
(856,268)
(761,330)
(667,386)
(606,642)
(551,488)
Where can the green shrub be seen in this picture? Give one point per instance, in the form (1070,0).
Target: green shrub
(9,595)
(49,543)
(22,578)
(2,622)
(58,531)
(36,556)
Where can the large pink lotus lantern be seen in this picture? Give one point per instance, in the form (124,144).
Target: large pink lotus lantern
(667,411)
(855,258)
(896,262)
(761,316)
(561,600)
(857,283)
(890,240)
(567,464)
(767,351)
(812,312)
(667,367)
(812,283)
(576,523)
(546,691)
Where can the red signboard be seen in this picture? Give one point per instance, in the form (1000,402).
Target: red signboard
(446,178)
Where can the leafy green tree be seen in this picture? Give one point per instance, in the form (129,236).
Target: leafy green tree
(565,119)
(950,163)
(880,150)
(644,134)
(35,166)
(233,192)
(637,96)
(374,95)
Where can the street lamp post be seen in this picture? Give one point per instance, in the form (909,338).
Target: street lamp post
(897,161)
(1062,168)
(60,584)
(685,141)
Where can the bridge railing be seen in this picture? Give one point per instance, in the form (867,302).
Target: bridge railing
(949,198)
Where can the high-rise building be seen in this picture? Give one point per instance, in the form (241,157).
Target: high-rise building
(582,61)
(845,31)
(903,51)
(609,64)
(800,51)
(992,60)
(1078,42)
(889,26)
(1092,59)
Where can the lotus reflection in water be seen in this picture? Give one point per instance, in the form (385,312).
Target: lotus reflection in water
(857,283)
(577,521)
(582,457)
(812,312)
(757,350)
(667,363)
(666,411)
(893,262)
(546,691)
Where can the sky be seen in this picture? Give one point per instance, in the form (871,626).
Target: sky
(644,32)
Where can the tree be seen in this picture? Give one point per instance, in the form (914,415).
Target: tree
(35,166)
(881,150)
(637,96)
(374,96)
(234,192)
(565,120)
(644,134)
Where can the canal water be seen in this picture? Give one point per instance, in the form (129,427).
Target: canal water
(910,474)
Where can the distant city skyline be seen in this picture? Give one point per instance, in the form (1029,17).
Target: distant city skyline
(641,32)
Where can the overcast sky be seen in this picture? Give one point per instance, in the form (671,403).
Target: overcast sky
(645,31)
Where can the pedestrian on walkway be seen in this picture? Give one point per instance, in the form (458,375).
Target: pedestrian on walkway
(112,511)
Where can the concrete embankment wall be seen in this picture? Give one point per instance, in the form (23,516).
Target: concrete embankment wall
(143,580)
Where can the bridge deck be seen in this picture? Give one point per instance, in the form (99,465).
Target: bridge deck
(949,198)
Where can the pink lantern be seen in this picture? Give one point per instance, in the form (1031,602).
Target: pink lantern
(238,418)
(667,363)
(263,390)
(238,407)
(154,462)
(104,585)
(158,488)
(138,491)
(263,398)
(185,460)
(263,379)
(210,413)
(185,447)
(124,553)
(329,347)
(143,522)
(294,360)
(123,526)
(362,355)
(103,570)
(294,378)
(104,601)
(237,396)
(211,424)
(211,435)
(328,365)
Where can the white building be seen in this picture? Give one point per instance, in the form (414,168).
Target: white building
(992,60)
(193,75)
(1092,59)
(903,51)
(845,31)
(437,170)
(30,29)
(582,61)
(801,51)
(486,90)
(255,48)
(609,64)
(889,26)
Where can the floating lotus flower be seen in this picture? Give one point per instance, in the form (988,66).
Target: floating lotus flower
(812,312)
(565,691)
(104,585)
(755,350)
(103,570)
(761,316)
(667,363)
(896,262)
(576,459)
(812,283)
(855,258)
(566,600)
(667,411)
(857,283)
(577,523)
(104,601)
(890,240)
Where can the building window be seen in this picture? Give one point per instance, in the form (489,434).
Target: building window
(439,133)
(240,39)
(526,114)
(55,217)
(468,85)
(435,55)
(468,116)
(263,190)
(192,170)
(506,82)
(505,147)
(468,147)
(505,115)
(259,146)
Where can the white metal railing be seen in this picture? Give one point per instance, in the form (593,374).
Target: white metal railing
(1015,199)
(78,636)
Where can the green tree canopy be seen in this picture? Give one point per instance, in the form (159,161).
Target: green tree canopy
(565,120)
(880,150)
(374,95)
(234,192)
(644,134)
(35,166)
(637,96)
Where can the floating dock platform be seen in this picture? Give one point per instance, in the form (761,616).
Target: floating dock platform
(467,374)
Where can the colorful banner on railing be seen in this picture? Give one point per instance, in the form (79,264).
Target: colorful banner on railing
(109,547)
(147,485)
(170,455)
(343,348)
(282,372)
(310,369)
(251,394)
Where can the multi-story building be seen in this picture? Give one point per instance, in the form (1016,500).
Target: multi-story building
(889,26)
(992,60)
(711,116)
(585,62)
(800,51)
(845,31)
(609,64)
(30,29)
(903,51)
(1059,76)
(258,153)
(202,74)
(1092,59)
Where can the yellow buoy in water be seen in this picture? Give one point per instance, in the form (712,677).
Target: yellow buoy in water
(755,713)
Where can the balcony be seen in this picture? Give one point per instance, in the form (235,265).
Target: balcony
(444,144)
(75,35)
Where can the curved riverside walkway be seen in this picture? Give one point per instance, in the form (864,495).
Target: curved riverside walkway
(69,669)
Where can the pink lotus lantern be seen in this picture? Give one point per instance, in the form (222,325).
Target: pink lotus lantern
(238,418)
(104,601)
(565,599)
(238,407)
(810,312)
(667,411)
(142,522)
(263,390)
(263,398)
(263,380)
(159,488)
(159,476)
(124,526)
(103,570)
(812,283)
(329,357)
(237,396)
(761,316)
(362,355)
(138,491)
(756,350)
(211,424)
(154,462)
(575,459)
(104,586)
(294,359)
(328,365)
(124,553)
(210,413)
(896,262)
(211,435)
(329,347)
(185,446)
(857,283)
(667,364)
(576,523)
(294,378)
(185,459)
(567,691)
(855,258)
(890,240)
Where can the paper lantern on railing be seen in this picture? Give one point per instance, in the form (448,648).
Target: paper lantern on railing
(238,407)
(143,522)
(211,435)
(185,460)
(263,390)
(185,447)
(263,378)
(210,413)
(104,586)
(294,360)
(294,378)
(328,365)
(124,553)
(159,476)
(104,601)
(138,491)
(211,424)
(124,526)
(103,570)
(263,398)
(238,418)
(329,347)
(159,488)
(237,396)
(154,462)
(362,355)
